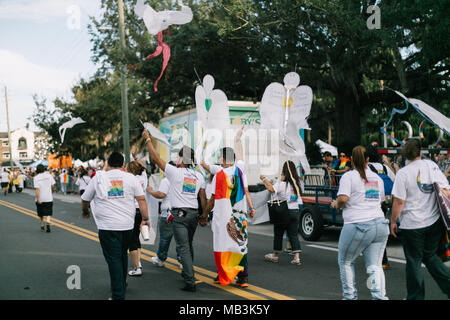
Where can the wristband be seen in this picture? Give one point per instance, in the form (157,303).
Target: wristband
(145,220)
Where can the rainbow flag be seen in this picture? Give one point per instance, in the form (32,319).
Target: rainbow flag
(229,226)
(66,178)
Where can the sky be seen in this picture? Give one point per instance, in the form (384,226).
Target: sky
(45,49)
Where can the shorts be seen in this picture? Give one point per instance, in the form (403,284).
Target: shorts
(135,243)
(4,184)
(44,209)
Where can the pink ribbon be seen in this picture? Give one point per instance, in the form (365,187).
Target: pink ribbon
(165,50)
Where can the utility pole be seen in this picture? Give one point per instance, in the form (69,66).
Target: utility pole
(124,89)
(9,131)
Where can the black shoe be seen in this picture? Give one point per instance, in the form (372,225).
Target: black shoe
(48,228)
(189,288)
(242,282)
(42,228)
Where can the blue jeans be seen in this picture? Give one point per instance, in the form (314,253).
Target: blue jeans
(165,237)
(114,246)
(368,238)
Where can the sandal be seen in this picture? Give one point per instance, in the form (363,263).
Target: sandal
(271,257)
(296,261)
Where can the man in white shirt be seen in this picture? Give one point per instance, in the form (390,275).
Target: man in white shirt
(44,185)
(187,187)
(419,228)
(113,193)
(5,181)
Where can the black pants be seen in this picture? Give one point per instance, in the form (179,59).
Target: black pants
(115,246)
(135,243)
(292,231)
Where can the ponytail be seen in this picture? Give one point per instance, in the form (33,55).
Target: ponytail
(359,156)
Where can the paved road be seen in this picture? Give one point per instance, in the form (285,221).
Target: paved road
(34,264)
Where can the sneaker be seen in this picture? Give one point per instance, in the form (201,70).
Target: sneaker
(157,261)
(48,228)
(242,282)
(136,272)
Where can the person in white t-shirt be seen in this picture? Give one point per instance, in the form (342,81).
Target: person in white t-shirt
(164,226)
(136,169)
(5,181)
(187,189)
(365,229)
(44,185)
(113,193)
(416,220)
(289,190)
(83,181)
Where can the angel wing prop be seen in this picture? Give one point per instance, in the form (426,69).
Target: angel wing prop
(286,107)
(156,22)
(67,125)
(212,111)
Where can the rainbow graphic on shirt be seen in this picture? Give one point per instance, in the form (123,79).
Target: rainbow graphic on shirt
(424,187)
(116,190)
(229,226)
(189,185)
(372,190)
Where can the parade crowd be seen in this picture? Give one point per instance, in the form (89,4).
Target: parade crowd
(369,188)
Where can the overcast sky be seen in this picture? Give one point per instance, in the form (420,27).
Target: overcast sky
(44,49)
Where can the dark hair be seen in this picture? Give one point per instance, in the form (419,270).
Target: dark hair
(115,160)
(327,154)
(290,173)
(228,155)
(359,156)
(372,153)
(40,168)
(411,149)
(188,156)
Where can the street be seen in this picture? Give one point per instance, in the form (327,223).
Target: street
(37,266)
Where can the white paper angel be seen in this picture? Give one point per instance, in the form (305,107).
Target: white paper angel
(287,107)
(67,125)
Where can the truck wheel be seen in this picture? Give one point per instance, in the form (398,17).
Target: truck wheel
(311,224)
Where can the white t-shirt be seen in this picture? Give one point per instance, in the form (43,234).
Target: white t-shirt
(143,181)
(214,169)
(83,182)
(117,210)
(420,209)
(5,177)
(185,183)
(44,182)
(21,179)
(61,177)
(379,167)
(364,203)
(164,187)
(285,191)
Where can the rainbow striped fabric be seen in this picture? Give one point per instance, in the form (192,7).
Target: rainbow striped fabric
(229,226)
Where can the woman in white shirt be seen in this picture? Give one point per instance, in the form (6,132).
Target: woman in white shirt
(83,181)
(44,185)
(365,230)
(288,189)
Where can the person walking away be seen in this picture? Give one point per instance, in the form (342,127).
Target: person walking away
(164,226)
(135,244)
(416,221)
(64,180)
(44,185)
(112,193)
(5,181)
(21,178)
(365,229)
(187,187)
(288,189)
(388,177)
(83,181)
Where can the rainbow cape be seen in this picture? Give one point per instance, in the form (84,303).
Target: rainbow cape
(229,226)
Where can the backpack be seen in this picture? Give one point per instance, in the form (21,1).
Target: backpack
(388,184)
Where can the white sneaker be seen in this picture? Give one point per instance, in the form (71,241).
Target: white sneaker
(135,272)
(180,266)
(157,261)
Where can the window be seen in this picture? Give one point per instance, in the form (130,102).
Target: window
(5,143)
(23,155)
(22,143)
(6,155)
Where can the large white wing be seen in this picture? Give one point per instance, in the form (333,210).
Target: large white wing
(302,99)
(157,21)
(271,109)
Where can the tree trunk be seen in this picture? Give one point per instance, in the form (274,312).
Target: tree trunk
(348,125)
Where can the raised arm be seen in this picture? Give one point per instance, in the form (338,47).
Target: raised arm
(267,184)
(151,149)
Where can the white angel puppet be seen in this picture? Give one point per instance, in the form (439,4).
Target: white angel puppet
(287,107)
